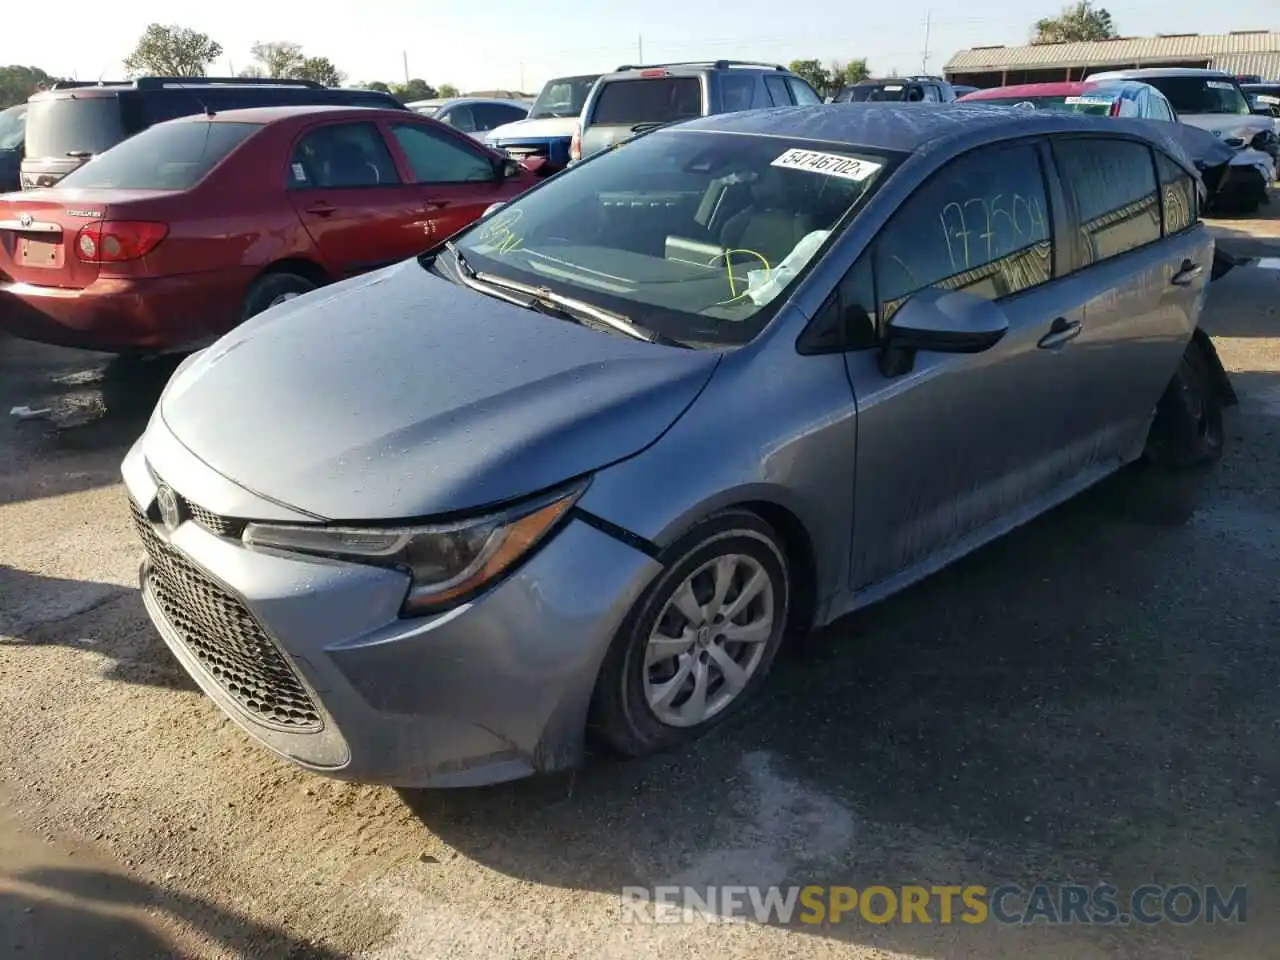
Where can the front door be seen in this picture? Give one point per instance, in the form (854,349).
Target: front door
(962,444)
(348,194)
(453,177)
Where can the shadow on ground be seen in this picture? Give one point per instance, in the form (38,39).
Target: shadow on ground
(100,619)
(90,407)
(86,915)
(1090,698)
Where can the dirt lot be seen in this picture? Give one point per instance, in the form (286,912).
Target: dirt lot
(1091,699)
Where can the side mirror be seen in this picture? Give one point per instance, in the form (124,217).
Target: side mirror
(505,168)
(941,321)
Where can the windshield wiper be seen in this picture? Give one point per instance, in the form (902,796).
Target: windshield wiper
(80,154)
(553,304)
(577,309)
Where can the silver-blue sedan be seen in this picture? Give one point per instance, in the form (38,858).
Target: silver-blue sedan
(586,467)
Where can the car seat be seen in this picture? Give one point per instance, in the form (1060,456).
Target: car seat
(773,223)
(349,166)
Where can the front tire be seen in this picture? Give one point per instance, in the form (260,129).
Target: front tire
(698,644)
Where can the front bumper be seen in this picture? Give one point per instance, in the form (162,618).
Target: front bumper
(311,658)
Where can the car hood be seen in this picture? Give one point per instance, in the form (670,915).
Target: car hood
(400,394)
(541,129)
(1229,124)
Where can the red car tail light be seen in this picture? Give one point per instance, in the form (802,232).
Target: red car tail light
(1115,108)
(113,241)
(575,145)
(653,73)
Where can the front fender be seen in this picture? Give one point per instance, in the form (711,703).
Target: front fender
(771,427)
(1213,363)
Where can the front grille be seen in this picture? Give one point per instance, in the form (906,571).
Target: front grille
(214,523)
(223,635)
(524,152)
(1235,141)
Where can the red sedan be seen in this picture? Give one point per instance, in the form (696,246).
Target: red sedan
(180,233)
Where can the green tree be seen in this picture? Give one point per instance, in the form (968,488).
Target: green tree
(855,71)
(276,58)
(377,85)
(172,51)
(814,73)
(415,89)
(1078,21)
(448,90)
(18,83)
(321,70)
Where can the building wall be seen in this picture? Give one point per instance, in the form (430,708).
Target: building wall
(995,77)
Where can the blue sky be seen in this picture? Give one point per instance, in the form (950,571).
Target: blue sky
(497,43)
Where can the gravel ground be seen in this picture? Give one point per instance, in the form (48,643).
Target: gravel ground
(1090,699)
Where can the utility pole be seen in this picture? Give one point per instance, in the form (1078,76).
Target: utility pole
(640,47)
(522,76)
(924,63)
(404,55)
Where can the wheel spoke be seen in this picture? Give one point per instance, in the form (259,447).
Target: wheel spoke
(757,631)
(665,692)
(735,678)
(662,648)
(725,569)
(695,708)
(759,580)
(687,604)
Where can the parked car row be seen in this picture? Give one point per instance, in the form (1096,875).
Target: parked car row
(586,465)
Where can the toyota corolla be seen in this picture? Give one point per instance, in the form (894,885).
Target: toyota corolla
(584,468)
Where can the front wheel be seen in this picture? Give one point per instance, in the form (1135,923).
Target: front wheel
(698,644)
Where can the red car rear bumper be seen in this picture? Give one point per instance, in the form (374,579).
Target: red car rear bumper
(117,315)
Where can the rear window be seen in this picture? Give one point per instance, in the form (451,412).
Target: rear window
(1097,105)
(648,101)
(70,126)
(861,92)
(13,123)
(1201,94)
(170,156)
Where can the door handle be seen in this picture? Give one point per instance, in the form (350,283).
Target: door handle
(321,209)
(1061,332)
(1187,274)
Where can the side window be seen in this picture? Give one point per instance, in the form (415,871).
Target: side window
(738,91)
(489,116)
(162,105)
(914,94)
(342,155)
(981,224)
(931,93)
(777,88)
(438,158)
(1179,195)
(459,117)
(1114,184)
(802,92)
(1160,108)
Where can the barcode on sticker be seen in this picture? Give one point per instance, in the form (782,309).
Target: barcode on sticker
(831,164)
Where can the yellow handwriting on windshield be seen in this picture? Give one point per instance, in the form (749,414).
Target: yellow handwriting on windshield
(500,232)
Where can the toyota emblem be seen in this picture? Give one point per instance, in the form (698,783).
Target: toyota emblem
(170,512)
(26,220)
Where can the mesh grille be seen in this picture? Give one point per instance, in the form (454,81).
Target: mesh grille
(222,526)
(223,635)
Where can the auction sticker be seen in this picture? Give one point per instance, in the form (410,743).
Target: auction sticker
(831,164)
(1093,99)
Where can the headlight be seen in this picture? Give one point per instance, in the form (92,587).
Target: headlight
(446,562)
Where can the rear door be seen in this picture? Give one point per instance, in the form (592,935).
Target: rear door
(453,178)
(963,443)
(1140,261)
(345,187)
(625,106)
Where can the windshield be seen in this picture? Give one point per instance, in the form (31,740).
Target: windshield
(13,125)
(168,156)
(1201,95)
(861,92)
(427,111)
(66,126)
(1096,105)
(694,235)
(563,97)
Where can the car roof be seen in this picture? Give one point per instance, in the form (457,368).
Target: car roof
(451,101)
(905,129)
(1059,89)
(1139,73)
(279,112)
